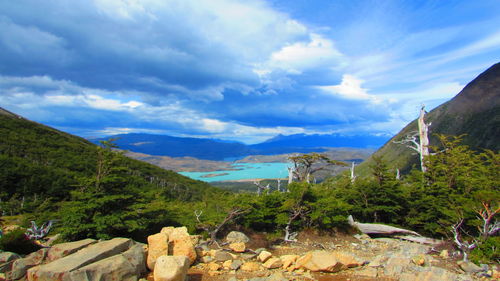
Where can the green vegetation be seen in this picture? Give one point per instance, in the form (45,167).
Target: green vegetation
(95,191)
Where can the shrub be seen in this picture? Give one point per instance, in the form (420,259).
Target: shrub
(15,241)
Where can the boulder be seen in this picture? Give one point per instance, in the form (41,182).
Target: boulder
(171,268)
(469,267)
(175,233)
(157,246)
(61,250)
(183,246)
(238,247)
(250,266)
(288,260)
(236,264)
(60,269)
(21,266)
(8,256)
(127,266)
(237,237)
(264,256)
(222,256)
(347,259)
(322,261)
(273,263)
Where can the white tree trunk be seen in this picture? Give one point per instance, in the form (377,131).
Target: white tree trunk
(353,177)
(423,130)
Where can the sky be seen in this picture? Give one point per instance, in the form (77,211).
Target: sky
(239,70)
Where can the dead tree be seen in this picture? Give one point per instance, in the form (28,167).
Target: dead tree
(487,213)
(422,145)
(290,175)
(214,230)
(464,246)
(296,212)
(260,188)
(305,165)
(353,176)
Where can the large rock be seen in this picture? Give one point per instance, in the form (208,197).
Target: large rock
(21,266)
(237,237)
(469,267)
(250,266)
(61,250)
(222,256)
(128,266)
(174,233)
(157,246)
(288,260)
(6,261)
(61,269)
(171,268)
(322,261)
(347,259)
(273,263)
(264,256)
(183,246)
(238,247)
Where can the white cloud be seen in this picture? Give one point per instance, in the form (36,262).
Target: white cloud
(350,88)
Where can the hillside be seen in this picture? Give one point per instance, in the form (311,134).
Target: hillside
(475,112)
(42,169)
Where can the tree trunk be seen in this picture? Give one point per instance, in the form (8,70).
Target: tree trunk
(423,130)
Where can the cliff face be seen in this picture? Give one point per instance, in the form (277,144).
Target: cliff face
(475,112)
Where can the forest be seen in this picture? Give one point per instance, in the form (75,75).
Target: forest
(97,192)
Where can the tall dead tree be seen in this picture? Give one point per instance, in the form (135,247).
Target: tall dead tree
(353,176)
(260,188)
(421,146)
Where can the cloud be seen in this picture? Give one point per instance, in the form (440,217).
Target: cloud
(350,88)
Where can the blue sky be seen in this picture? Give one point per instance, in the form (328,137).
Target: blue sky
(239,70)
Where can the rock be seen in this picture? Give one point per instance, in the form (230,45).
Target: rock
(247,256)
(469,267)
(126,266)
(396,264)
(250,266)
(61,250)
(418,260)
(378,261)
(183,246)
(288,260)
(236,264)
(273,263)
(8,256)
(21,266)
(237,237)
(430,274)
(206,259)
(278,276)
(444,254)
(238,247)
(171,268)
(322,261)
(222,256)
(264,256)
(175,233)
(367,272)
(347,259)
(157,246)
(260,250)
(60,269)
(214,266)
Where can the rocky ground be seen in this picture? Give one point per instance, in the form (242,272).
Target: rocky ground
(173,254)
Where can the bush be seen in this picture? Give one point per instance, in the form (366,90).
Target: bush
(15,241)
(487,252)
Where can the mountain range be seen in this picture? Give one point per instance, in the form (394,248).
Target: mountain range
(473,113)
(215,149)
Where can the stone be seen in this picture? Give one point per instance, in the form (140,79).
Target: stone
(126,266)
(469,267)
(61,250)
(238,247)
(444,254)
(183,246)
(21,266)
(418,260)
(214,266)
(288,260)
(175,233)
(60,268)
(222,256)
(237,237)
(319,261)
(264,256)
(157,246)
(171,268)
(430,274)
(378,261)
(250,266)
(206,259)
(8,256)
(277,276)
(347,259)
(273,263)
(370,272)
(236,264)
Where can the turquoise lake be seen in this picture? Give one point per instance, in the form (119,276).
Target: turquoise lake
(245,171)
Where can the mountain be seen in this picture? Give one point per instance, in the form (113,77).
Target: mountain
(215,149)
(161,145)
(475,112)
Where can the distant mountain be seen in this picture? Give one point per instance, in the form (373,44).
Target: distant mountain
(161,145)
(314,141)
(215,149)
(475,111)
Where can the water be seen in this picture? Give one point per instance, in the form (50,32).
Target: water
(245,171)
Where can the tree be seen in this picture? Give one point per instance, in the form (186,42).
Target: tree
(307,164)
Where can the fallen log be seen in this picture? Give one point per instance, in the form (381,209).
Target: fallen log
(381,229)
(419,239)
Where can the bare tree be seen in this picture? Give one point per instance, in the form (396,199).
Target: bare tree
(260,187)
(421,146)
(307,164)
(353,176)
(214,230)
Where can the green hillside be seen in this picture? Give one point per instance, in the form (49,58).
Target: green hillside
(52,174)
(475,112)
